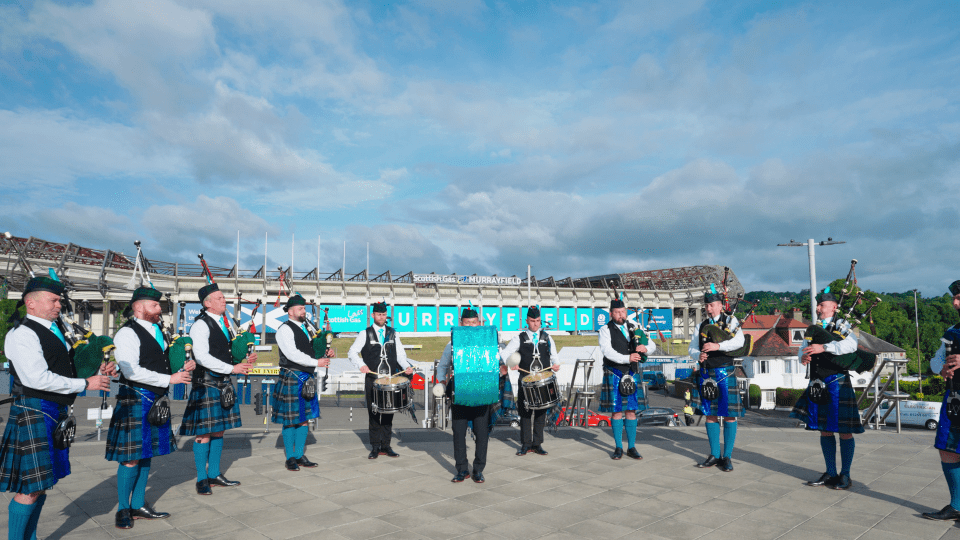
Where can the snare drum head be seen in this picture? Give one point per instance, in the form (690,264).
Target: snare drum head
(391,381)
(537,377)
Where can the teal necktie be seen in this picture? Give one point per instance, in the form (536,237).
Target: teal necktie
(157,334)
(223,326)
(56,330)
(624,330)
(303,326)
(380,331)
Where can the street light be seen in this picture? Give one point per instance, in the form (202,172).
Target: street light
(813,268)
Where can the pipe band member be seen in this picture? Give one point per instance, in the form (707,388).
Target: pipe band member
(294,400)
(717,367)
(618,362)
(462,415)
(45,385)
(133,440)
(838,412)
(377,343)
(531,422)
(205,417)
(946,362)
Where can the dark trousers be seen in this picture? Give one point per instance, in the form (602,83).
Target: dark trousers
(480,416)
(530,419)
(380,425)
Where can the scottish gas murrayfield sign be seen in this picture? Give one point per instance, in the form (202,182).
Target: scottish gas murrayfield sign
(465,280)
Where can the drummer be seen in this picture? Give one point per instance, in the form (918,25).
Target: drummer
(372,346)
(524,343)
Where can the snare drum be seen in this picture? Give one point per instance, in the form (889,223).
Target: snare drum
(540,390)
(390,394)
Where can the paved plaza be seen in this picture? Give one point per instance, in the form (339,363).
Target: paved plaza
(576,491)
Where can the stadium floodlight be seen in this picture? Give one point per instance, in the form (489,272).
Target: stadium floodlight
(813,267)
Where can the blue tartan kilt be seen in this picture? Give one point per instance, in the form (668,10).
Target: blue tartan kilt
(131,436)
(610,398)
(28,459)
(204,413)
(289,407)
(725,404)
(948,434)
(838,415)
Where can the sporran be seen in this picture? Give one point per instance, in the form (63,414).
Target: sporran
(228,396)
(64,433)
(159,413)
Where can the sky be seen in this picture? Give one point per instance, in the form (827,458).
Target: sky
(581,138)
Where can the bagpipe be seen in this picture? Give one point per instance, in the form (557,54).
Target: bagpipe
(321,340)
(840,327)
(726,328)
(89,351)
(243,342)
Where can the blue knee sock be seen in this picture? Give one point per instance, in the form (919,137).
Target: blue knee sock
(201,454)
(631,427)
(301,440)
(126,479)
(729,438)
(290,441)
(216,449)
(829,447)
(18,519)
(847,446)
(139,499)
(713,436)
(951,471)
(617,426)
(31,532)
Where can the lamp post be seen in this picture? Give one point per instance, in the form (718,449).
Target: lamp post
(813,268)
(916,318)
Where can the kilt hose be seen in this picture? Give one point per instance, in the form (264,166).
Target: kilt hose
(131,436)
(204,413)
(610,399)
(289,407)
(839,412)
(29,461)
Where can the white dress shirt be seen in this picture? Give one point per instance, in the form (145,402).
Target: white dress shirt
(22,347)
(731,344)
(128,356)
(514,346)
(354,353)
(200,333)
(837,348)
(286,340)
(608,352)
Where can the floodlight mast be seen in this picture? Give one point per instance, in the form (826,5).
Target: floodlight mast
(813,267)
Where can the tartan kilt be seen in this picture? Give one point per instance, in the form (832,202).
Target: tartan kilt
(610,398)
(725,404)
(131,436)
(28,460)
(838,415)
(948,433)
(204,413)
(289,407)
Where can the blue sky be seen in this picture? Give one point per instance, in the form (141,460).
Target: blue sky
(469,136)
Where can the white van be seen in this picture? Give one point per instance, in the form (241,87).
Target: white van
(913,413)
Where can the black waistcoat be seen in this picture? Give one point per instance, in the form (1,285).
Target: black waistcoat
(303,345)
(526,350)
(219,346)
(371,349)
(58,359)
(152,357)
(715,359)
(822,365)
(620,343)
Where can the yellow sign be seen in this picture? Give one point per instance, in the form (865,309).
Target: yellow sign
(264,371)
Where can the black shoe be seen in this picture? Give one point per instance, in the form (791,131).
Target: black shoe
(840,482)
(387,451)
(539,450)
(709,462)
(523,450)
(147,512)
(292,465)
(203,487)
(726,464)
(222,481)
(824,478)
(477,477)
(617,454)
(304,462)
(460,477)
(947,513)
(632,452)
(123,519)
(374,453)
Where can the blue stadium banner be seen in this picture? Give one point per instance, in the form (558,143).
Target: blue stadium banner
(566,320)
(403,318)
(662,318)
(511,319)
(426,318)
(449,317)
(584,320)
(600,318)
(490,316)
(548,317)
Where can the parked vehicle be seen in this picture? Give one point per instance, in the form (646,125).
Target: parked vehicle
(593,419)
(912,413)
(655,380)
(510,417)
(657,416)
